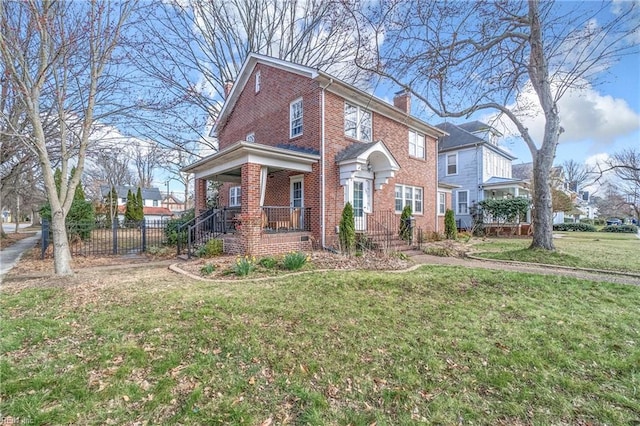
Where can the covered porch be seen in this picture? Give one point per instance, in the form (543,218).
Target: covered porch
(270,217)
(505,188)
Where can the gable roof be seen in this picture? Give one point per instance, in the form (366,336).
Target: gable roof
(478,126)
(329,83)
(122,191)
(459,137)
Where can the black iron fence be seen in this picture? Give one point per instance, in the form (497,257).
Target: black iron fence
(103,238)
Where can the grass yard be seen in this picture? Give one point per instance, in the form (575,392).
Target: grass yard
(599,250)
(439,345)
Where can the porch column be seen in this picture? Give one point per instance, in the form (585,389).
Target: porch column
(251,226)
(200,202)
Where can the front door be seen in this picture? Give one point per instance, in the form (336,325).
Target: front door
(361,201)
(296,202)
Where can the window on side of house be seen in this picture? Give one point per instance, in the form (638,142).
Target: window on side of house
(442,203)
(124,200)
(463,202)
(416,144)
(295,118)
(234,196)
(452,164)
(406,195)
(357,123)
(155,203)
(257,81)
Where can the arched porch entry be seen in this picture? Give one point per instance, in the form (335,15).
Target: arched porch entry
(364,168)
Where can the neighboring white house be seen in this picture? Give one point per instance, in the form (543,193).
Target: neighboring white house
(151,201)
(470,158)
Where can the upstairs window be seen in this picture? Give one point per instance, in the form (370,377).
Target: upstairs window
(416,144)
(251,137)
(234,196)
(357,123)
(295,118)
(155,203)
(257,81)
(452,164)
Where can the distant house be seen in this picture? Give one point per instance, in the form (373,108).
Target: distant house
(151,201)
(173,203)
(470,159)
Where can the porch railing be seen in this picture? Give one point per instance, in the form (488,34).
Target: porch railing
(285,219)
(382,231)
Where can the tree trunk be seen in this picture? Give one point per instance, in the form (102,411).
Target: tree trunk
(61,252)
(542,212)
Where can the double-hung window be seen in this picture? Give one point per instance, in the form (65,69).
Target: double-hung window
(408,196)
(234,196)
(442,203)
(416,144)
(463,202)
(257,81)
(357,123)
(295,118)
(452,164)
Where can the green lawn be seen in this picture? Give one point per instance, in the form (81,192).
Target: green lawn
(439,345)
(598,250)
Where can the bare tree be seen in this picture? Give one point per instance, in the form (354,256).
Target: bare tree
(56,55)
(147,158)
(486,55)
(107,168)
(626,167)
(188,50)
(576,174)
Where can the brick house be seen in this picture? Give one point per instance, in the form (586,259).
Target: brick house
(295,144)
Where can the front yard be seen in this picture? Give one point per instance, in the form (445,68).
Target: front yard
(439,345)
(597,250)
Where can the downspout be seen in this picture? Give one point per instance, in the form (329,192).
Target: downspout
(437,222)
(323,212)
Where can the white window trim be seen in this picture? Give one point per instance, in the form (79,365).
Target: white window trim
(292,179)
(238,196)
(424,142)
(257,81)
(413,200)
(359,112)
(441,204)
(458,202)
(446,164)
(291,119)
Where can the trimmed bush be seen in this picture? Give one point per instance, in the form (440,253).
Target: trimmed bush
(579,227)
(210,249)
(405,225)
(268,262)
(450,227)
(347,230)
(627,229)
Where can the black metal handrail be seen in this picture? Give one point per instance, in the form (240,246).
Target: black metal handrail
(206,227)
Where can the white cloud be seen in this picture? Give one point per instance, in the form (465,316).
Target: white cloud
(585,115)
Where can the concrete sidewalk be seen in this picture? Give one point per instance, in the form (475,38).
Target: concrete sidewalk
(12,254)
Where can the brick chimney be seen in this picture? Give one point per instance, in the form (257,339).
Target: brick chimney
(228,85)
(402,100)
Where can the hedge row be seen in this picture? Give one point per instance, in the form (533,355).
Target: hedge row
(627,229)
(580,227)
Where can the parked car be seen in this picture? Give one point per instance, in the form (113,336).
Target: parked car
(614,221)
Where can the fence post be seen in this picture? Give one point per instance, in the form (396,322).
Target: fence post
(144,235)
(44,238)
(114,228)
